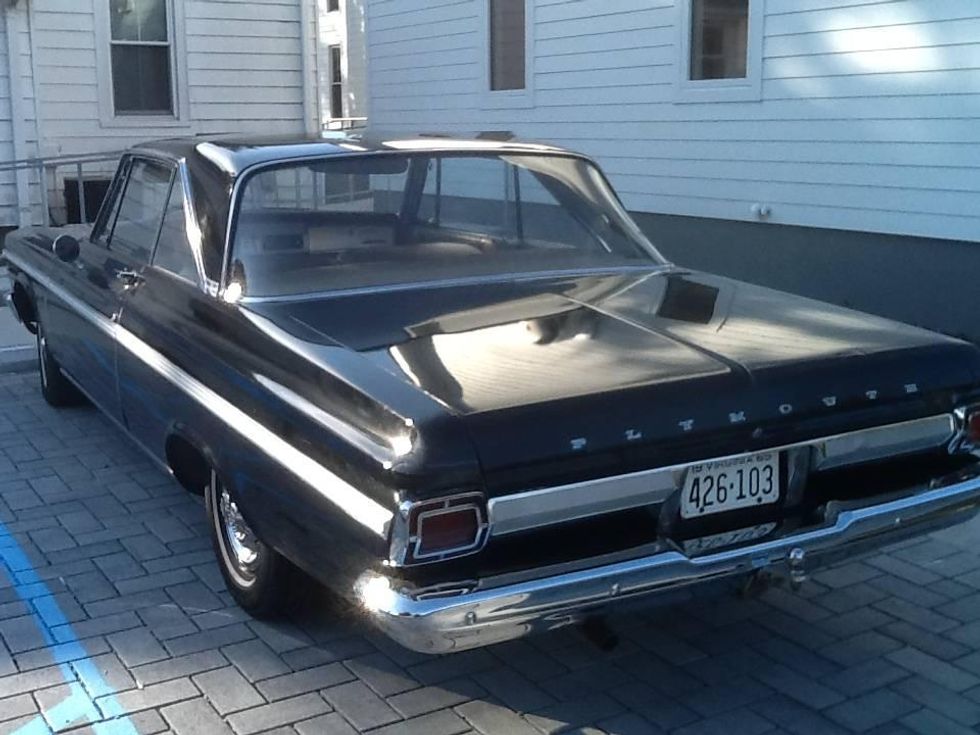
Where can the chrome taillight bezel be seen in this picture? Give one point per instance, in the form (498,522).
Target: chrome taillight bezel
(961,442)
(406,538)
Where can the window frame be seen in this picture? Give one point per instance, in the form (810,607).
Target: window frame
(106,243)
(180,177)
(336,79)
(747,89)
(503,99)
(108,117)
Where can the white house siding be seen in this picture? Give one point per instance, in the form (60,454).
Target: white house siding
(869,118)
(244,74)
(8,185)
(345,28)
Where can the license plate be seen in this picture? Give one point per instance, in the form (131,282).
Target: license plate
(732,484)
(719,541)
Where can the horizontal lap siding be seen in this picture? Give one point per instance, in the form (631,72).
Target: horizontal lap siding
(8,187)
(870,117)
(244,73)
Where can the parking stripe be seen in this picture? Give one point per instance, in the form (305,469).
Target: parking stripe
(79,707)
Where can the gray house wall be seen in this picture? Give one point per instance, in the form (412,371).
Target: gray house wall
(926,282)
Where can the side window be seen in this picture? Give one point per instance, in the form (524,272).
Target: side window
(110,207)
(173,251)
(141,210)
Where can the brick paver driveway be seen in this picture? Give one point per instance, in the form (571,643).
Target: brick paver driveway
(113,617)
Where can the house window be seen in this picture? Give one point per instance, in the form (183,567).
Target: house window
(141,57)
(333,5)
(720,50)
(508,45)
(719,39)
(336,83)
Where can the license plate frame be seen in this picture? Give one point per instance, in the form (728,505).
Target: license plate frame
(723,486)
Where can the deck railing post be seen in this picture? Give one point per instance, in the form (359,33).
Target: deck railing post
(82,213)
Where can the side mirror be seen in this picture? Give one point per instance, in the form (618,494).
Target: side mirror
(66,248)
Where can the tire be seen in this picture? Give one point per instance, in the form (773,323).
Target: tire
(57,390)
(259,579)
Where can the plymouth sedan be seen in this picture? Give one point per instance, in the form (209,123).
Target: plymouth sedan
(452,380)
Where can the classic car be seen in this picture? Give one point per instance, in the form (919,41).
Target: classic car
(452,380)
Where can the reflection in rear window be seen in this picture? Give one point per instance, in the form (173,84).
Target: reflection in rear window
(396,218)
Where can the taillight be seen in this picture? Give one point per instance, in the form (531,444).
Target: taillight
(433,530)
(973,427)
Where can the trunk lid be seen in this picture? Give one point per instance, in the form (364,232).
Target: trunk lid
(577,367)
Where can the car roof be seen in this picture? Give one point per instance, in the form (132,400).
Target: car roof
(231,155)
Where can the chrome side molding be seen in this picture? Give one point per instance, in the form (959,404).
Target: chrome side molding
(554,505)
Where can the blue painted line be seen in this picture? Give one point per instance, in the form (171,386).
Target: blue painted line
(91,699)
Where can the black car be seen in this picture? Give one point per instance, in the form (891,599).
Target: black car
(452,380)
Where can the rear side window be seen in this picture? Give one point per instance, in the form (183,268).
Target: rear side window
(141,210)
(174,252)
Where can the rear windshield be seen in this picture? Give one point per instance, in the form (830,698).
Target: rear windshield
(397,218)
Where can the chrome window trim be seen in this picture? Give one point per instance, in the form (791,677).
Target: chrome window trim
(347,498)
(553,505)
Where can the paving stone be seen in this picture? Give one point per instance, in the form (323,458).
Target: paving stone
(930,722)
(195,717)
(386,678)
(301,682)
(491,718)
(445,722)
(420,701)
(175,668)
(739,722)
(207,639)
(795,718)
(871,710)
(255,660)
(955,706)
(933,669)
(330,724)
(137,646)
(361,706)
(935,645)
(866,677)
(861,648)
(227,690)
(151,697)
(266,717)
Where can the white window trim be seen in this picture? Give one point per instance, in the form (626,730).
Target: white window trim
(506,99)
(748,89)
(180,118)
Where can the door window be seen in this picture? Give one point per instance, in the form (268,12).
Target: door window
(173,251)
(141,210)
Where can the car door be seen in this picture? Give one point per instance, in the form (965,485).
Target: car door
(159,314)
(109,264)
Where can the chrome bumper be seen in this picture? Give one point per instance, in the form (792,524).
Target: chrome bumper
(486,616)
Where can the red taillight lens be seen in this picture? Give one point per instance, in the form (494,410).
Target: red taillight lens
(447,530)
(439,529)
(973,428)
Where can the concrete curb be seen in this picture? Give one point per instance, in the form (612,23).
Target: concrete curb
(18,360)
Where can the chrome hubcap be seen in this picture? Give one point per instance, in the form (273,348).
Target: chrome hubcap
(242,542)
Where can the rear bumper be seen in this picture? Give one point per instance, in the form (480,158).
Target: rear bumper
(486,616)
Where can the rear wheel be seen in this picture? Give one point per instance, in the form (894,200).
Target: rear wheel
(257,576)
(57,390)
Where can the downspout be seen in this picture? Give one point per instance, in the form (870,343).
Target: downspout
(308,30)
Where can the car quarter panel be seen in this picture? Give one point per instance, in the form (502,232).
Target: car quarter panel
(295,419)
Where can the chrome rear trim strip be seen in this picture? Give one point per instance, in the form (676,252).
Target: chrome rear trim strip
(550,506)
(347,498)
(883,441)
